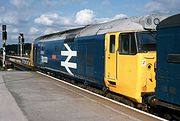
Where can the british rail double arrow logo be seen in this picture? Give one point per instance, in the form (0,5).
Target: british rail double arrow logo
(66,63)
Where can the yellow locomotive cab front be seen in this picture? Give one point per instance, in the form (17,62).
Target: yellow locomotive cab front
(129,64)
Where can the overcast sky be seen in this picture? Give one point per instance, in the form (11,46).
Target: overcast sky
(39,17)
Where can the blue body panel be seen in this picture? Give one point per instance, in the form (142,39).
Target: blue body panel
(168,67)
(89,59)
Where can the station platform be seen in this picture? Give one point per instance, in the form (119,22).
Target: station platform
(32,96)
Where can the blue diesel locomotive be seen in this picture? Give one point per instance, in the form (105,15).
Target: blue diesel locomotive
(118,55)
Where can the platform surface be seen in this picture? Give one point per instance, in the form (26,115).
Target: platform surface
(34,97)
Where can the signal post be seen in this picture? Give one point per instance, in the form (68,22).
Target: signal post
(4,38)
(21,42)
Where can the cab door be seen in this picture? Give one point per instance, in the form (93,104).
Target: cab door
(111,56)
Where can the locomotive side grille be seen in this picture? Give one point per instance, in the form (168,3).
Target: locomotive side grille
(173,58)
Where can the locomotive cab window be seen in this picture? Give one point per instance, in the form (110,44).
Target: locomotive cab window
(146,41)
(112,44)
(127,43)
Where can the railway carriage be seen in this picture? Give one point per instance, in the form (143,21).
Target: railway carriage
(117,55)
(168,63)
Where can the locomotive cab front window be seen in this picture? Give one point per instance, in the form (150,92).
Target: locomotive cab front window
(146,41)
(127,43)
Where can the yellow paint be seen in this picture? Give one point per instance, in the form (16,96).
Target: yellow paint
(31,56)
(130,72)
(111,62)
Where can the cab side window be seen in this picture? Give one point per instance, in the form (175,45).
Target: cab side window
(124,38)
(127,44)
(112,44)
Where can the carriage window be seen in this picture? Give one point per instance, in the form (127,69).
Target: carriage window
(112,44)
(128,44)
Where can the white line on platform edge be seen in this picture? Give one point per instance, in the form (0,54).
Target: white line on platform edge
(148,114)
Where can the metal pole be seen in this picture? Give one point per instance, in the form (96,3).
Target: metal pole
(21,49)
(4,38)
(21,39)
(4,53)
(18,49)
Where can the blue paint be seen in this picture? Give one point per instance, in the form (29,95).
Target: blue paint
(168,73)
(90,57)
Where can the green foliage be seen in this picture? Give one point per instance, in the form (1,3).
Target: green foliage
(14,48)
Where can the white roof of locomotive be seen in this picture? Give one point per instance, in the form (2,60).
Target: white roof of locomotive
(133,23)
(113,26)
(148,22)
